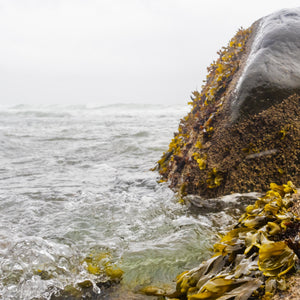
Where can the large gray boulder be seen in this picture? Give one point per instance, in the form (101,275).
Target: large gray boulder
(272,70)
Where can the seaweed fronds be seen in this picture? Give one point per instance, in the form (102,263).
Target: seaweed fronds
(251,259)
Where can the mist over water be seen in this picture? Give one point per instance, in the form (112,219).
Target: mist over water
(76,180)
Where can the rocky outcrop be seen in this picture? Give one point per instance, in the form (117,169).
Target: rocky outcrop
(242,135)
(243,129)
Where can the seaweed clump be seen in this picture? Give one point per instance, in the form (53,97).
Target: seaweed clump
(250,261)
(101,263)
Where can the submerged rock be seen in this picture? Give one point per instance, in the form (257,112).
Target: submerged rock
(256,83)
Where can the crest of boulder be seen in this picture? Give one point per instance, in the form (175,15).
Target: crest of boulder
(272,70)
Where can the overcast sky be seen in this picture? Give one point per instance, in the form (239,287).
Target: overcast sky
(111,51)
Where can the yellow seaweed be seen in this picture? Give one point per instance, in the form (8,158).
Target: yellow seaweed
(276,259)
(214,178)
(101,263)
(252,253)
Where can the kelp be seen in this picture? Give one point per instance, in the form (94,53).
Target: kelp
(100,263)
(253,258)
(275,258)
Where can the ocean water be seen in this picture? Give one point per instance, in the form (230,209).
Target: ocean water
(75,181)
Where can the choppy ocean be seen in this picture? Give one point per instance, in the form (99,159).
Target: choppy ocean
(75,181)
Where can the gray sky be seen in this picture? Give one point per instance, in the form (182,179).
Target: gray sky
(111,51)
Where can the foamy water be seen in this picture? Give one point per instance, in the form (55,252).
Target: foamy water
(77,180)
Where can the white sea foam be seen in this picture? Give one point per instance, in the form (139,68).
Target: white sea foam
(76,180)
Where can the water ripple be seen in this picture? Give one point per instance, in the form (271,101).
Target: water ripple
(76,181)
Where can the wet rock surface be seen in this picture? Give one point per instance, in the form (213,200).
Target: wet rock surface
(202,206)
(272,70)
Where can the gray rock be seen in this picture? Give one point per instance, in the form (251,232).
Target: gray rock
(272,70)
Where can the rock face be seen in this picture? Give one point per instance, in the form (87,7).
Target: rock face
(243,129)
(272,70)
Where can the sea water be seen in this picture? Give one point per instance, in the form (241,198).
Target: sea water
(76,181)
